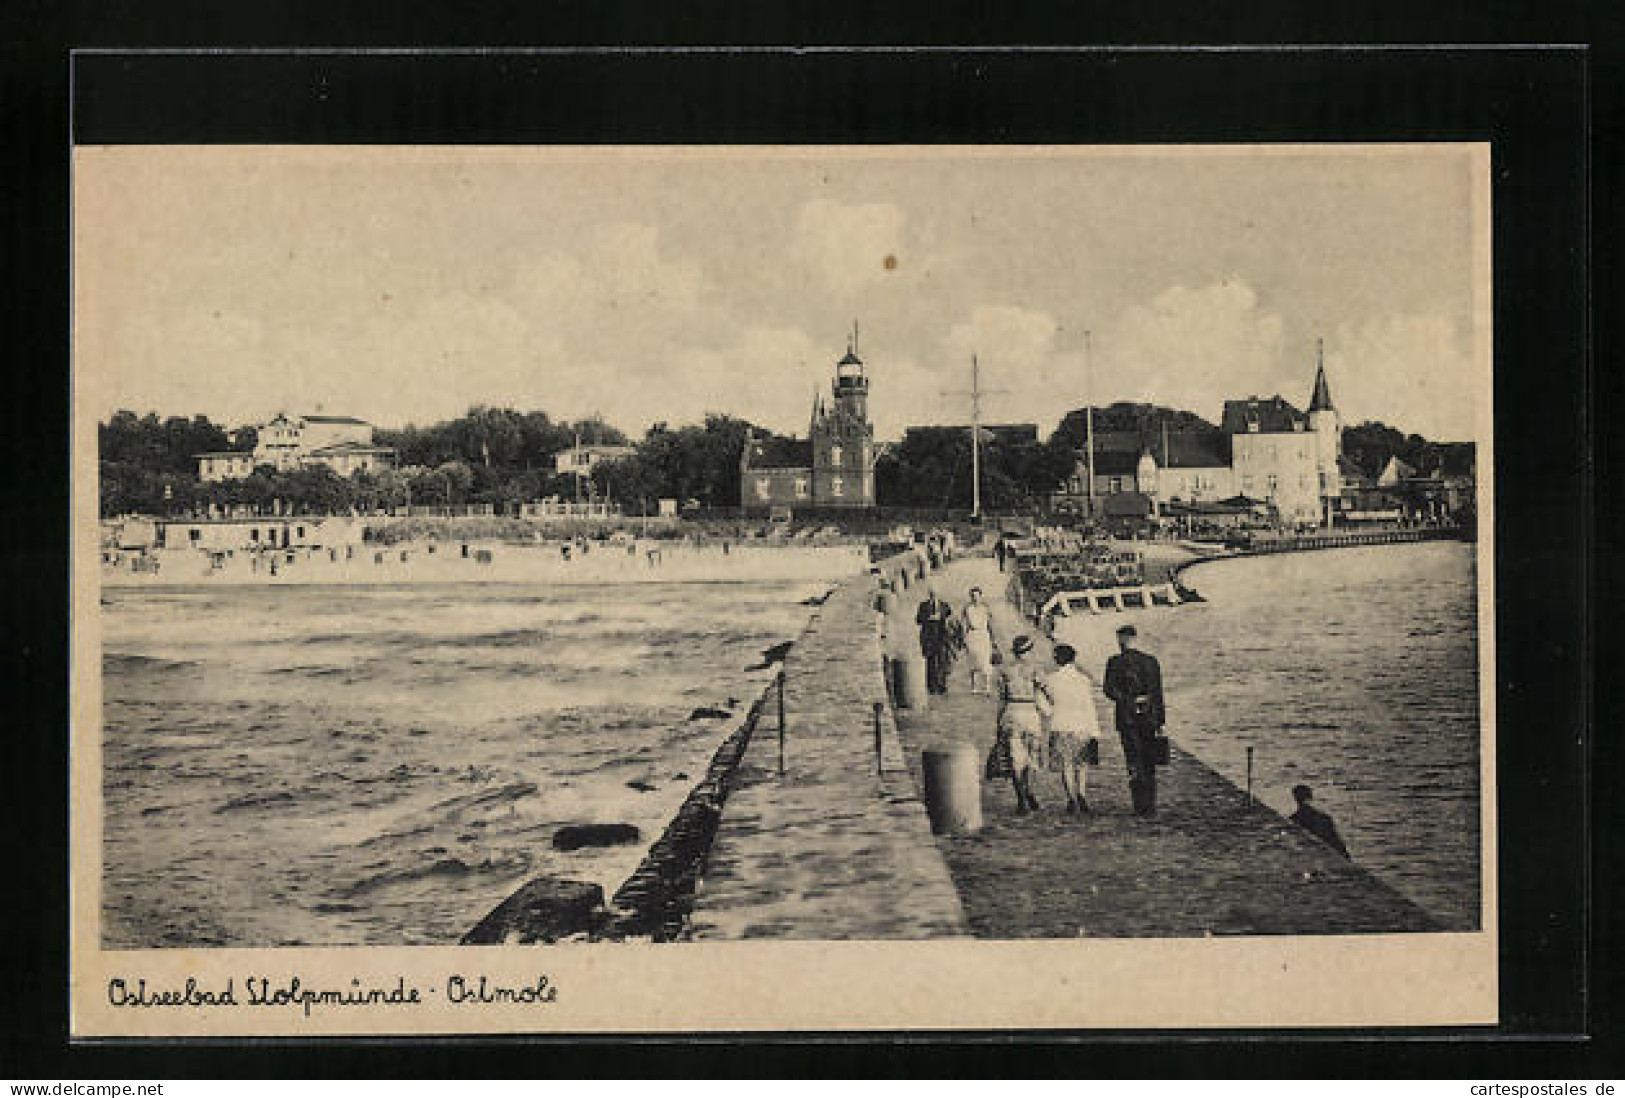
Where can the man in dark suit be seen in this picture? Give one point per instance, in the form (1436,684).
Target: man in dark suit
(932,618)
(1134,682)
(1316,822)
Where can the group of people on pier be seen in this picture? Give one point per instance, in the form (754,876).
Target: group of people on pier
(1046,716)
(1046,719)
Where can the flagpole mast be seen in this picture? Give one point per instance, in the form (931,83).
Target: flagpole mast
(975,440)
(1089,420)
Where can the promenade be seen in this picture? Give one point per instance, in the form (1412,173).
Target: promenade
(1211,862)
(832,850)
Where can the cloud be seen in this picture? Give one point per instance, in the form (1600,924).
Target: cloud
(1026,375)
(1415,373)
(846,247)
(1194,348)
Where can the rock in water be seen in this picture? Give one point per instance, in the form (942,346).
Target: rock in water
(640,786)
(544,910)
(576,836)
(771,655)
(709,713)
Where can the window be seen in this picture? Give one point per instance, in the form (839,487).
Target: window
(834,455)
(299,532)
(761,487)
(194,534)
(1273,483)
(801,487)
(835,487)
(254,534)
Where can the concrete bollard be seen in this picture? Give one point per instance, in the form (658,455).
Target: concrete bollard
(908,678)
(953,789)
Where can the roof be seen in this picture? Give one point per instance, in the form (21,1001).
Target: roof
(1349,469)
(1273,415)
(1127,503)
(1116,463)
(1191,450)
(334,419)
(850,359)
(780,453)
(1205,507)
(338,448)
(1321,400)
(1119,451)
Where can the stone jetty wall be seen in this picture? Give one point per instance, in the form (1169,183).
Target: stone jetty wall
(837,846)
(655,902)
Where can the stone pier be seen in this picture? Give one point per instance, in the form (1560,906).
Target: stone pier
(833,849)
(838,847)
(1212,862)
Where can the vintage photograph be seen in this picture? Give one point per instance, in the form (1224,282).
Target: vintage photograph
(620,551)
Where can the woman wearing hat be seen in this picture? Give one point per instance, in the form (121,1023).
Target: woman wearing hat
(1019,747)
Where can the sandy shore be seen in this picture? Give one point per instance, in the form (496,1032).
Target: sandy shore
(650,562)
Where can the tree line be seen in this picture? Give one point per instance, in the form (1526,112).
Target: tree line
(500,456)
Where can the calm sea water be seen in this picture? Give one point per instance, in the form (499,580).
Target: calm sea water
(1353,671)
(382,765)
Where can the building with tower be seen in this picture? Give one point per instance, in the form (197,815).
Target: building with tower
(1265,451)
(1327,428)
(833,467)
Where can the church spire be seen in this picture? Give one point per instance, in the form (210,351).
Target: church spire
(1321,401)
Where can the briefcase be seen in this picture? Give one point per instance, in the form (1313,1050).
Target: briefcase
(1159,750)
(1091,752)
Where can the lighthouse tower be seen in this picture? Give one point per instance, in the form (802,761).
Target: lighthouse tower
(1324,422)
(843,440)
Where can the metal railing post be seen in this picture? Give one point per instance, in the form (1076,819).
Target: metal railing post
(781,722)
(879,764)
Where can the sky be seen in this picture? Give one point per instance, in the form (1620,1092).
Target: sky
(404,285)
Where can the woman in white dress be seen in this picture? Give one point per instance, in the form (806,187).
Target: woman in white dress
(978,631)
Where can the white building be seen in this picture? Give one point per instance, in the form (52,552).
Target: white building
(581,459)
(1275,456)
(342,443)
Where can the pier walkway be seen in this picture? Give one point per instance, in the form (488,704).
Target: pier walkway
(1211,862)
(831,850)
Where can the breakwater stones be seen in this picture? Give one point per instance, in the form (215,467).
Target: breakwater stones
(655,902)
(544,910)
(576,836)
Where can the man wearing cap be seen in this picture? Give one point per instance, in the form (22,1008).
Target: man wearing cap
(933,617)
(1134,683)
